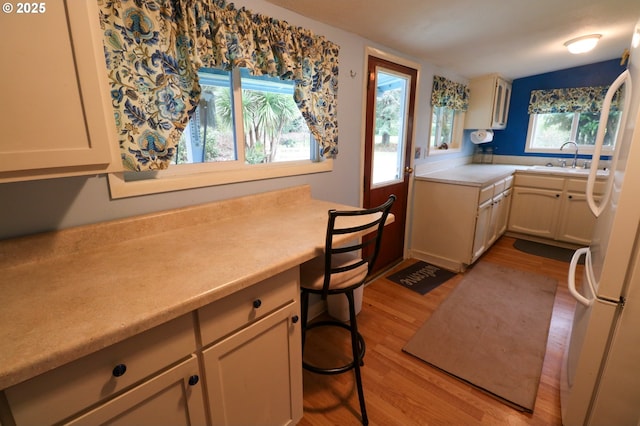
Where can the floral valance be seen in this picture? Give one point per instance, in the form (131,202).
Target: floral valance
(447,93)
(575,99)
(154,48)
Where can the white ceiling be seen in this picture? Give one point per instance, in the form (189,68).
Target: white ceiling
(516,38)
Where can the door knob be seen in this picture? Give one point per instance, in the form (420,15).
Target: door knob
(408,170)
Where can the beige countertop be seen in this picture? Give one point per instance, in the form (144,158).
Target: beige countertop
(472,174)
(485,174)
(69,293)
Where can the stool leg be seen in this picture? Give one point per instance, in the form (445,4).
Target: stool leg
(304,313)
(356,355)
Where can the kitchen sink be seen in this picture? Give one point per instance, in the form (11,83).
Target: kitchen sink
(565,170)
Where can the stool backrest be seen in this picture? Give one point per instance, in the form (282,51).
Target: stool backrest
(347,223)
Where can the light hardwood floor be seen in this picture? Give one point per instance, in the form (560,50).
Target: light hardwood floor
(402,390)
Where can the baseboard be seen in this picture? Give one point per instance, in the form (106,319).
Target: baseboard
(317,309)
(448,264)
(543,240)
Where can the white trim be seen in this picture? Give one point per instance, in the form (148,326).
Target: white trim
(175,178)
(458,135)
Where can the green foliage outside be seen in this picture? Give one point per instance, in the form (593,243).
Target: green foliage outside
(388,115)
(267,117)
(553,129)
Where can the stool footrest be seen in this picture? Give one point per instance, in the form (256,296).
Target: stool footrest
(344,368)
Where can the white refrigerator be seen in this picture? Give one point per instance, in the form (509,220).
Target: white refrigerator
(600,379)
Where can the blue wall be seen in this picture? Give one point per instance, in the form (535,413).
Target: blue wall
(512,140)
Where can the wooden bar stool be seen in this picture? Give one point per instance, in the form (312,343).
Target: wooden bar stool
(344,268)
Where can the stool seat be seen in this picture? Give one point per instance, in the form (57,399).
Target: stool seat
(341,270)
(313,272)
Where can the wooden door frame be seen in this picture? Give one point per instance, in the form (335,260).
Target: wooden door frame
(372,51)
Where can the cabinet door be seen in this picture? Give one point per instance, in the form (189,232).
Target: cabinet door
(254,377)
(483,228)
(534,211)
(171,398)
(53,93)
(576,220)
(503,215)
(496,209)
(501,104)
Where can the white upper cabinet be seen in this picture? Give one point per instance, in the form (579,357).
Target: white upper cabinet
(489,99)
(56,116)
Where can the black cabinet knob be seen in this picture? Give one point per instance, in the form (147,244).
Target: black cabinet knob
(257,303)
(295,319)
(119,370)
(193,380)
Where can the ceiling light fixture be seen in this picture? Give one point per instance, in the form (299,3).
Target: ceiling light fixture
(583,44)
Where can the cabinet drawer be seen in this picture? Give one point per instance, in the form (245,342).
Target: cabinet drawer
(486,193)
(498,187)
(170,398)
(235,311)
(508,182)
(546,182)
(580,185)
(60,393)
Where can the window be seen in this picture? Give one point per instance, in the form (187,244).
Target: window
(269,123)
(449,101)
(446,129)
(244,128)
(548,131)
(557,116)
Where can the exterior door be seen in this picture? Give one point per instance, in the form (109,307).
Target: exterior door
(388,134)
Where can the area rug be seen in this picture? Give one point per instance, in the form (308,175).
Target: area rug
(491,332)
(421,277)
(545,250)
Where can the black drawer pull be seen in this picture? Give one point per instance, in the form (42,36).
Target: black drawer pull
(257,303)
(193,380)
(119,370)
(295,319)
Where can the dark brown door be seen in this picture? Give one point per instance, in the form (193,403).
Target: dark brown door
(387,164)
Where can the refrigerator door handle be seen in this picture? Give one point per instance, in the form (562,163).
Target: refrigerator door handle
(571,281)
(597,209)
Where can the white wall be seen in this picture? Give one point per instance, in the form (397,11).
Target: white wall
(36,206)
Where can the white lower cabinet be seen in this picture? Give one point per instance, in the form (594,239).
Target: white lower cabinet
(454,224)
(552,208)
(173,397)
(249,380)
(236,361)
(253,366)
(109,383)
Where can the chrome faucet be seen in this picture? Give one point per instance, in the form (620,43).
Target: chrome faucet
(575,155)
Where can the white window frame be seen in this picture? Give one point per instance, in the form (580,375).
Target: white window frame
(124,184)
(456,135)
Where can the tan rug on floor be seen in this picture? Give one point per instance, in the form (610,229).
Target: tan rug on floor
(491,332)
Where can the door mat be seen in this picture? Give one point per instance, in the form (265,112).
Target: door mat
(491,332)
(421,277)
(546,250)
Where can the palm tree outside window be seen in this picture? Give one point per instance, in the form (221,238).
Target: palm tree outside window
(271,127)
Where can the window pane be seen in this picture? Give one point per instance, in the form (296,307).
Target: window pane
(552,130)
(442,127)
(588,128)
(209,135)
(390,118)
(274,129)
